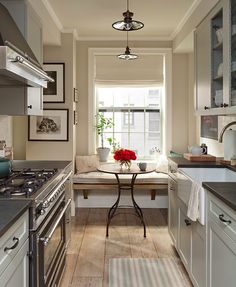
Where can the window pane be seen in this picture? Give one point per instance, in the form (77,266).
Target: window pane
(137,117)
(152,140)
(137,97)
(152,121)
(105,98)
(137,143)
(119,121)
(120,97)
(105,137)
(153,98)
(122,139)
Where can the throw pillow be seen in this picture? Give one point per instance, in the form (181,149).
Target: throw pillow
(86,163)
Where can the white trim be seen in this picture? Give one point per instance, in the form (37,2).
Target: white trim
(167,53)
(52,13)
(121,38)
(71,31)
(183,21)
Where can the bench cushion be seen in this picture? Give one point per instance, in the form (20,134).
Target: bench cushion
(101,178)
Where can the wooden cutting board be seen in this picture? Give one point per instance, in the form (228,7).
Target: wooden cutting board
(202,157)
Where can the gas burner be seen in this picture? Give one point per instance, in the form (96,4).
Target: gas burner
(26,182)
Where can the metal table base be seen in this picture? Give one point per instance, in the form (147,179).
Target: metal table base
(112,211)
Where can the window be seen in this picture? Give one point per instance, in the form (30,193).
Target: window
(136,115)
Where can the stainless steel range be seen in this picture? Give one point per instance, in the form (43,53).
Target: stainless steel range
(50,191)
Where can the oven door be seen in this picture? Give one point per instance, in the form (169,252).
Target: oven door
(51,248)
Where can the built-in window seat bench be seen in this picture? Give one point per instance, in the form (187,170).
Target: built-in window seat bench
(155,182)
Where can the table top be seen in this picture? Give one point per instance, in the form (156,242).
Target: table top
(116,169)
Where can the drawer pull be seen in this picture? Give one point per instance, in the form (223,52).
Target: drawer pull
(187,222)
(221,217)
(16,240)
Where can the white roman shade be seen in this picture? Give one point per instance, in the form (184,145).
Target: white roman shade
(147,68)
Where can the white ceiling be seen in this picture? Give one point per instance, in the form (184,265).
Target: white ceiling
(92,19)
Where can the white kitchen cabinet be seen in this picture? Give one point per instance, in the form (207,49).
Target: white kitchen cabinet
(184,236)
(14,248)
(173,210)
(215,61)
(221,244)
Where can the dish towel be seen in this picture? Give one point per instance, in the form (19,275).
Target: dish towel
(193,204)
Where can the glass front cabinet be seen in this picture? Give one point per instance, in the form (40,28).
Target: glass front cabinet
(215,60)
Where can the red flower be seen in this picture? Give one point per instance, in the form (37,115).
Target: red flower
(124,155)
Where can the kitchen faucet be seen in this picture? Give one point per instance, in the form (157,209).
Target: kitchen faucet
(224,129)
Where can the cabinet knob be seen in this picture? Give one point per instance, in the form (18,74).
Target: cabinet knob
(206,108)
(187,222)
(221,217)
(30,107)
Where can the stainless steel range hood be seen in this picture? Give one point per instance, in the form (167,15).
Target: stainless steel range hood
(18,65)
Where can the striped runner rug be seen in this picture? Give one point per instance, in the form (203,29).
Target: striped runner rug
(141,272)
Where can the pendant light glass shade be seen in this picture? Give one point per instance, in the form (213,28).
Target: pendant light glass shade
(128,24)
(127,54)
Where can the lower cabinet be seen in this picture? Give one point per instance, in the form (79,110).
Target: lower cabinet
(221,244)
(17,272)
(184,240)
(14,260)
(190,244)
(173,210)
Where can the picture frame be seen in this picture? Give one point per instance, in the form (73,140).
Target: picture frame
(76,95)
(53,125)
(55,92)
(75,118)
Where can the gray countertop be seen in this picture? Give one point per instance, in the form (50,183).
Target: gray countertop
(10,211)
(226,191)
(182,162)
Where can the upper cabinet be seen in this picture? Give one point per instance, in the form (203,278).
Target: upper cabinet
(215,60)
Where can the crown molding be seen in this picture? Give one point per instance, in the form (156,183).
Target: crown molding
(71,31)
(185,18)
(119,38)
(53,14)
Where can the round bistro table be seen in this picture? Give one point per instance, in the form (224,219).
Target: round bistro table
(129,186)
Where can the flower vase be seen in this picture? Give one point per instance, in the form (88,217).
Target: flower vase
(125,164)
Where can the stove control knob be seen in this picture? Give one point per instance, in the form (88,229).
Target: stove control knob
(42,211)
(51,199)
(45,204)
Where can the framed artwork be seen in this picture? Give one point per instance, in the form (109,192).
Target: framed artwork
(55,91)
(51,126)
(76,95)
(209,127)
(75,118)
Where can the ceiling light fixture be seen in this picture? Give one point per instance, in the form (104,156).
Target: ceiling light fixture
(127,54)
(128,24)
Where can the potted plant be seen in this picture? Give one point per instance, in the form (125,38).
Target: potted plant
(103,123)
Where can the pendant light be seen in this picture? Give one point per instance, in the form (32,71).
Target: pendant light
(128,24)
(127,54)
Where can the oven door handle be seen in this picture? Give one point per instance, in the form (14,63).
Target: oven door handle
(47,238)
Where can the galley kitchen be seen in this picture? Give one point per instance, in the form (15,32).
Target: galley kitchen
(117,143)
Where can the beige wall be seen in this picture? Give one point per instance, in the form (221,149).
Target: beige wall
(24,149)
(58,150)
(6,130)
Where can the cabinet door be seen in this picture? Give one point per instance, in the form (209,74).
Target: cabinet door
(221,257)
(198,255)
(203,65)
(173,211)
(184,243)
(17,272)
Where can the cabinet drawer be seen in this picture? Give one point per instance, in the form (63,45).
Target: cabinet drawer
(15,238)
(224,216)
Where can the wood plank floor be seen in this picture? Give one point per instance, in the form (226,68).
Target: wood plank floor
(89,250)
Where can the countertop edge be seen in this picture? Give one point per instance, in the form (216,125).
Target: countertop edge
(9,224)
